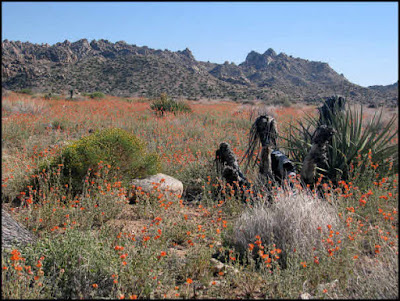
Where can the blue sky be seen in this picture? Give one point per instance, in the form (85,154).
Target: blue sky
(358,39)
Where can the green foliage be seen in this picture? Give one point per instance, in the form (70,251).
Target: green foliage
(26,91)
(71,263)
(166,104)
(62,123)
(51,96)
(115,147)
(282,101)
(96,95)
(352,143)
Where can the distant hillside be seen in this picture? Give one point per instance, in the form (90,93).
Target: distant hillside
(391,91)
(128,70)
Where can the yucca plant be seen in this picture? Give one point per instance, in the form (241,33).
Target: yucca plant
(352,142)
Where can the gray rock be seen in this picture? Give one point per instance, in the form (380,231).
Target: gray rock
(215,283)
(329,286)
(216,265)
(13,233)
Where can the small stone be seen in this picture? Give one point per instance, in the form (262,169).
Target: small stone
(216,265)
(305,296)
(214,283)
(231,269)
(329,286)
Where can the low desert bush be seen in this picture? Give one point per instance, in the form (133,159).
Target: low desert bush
(66,266)
(49,96)
(282,101)
(166,104)
(62,124)
(376,279)
(96,95)
(291,222)
(5,93)
(26,91)
(25,106)
(121,150)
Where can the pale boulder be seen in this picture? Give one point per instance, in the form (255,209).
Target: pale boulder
(164,182)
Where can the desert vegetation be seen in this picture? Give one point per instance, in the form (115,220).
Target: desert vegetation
(339,241)
(166,104)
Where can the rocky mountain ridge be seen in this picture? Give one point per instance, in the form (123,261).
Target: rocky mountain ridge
(128,70)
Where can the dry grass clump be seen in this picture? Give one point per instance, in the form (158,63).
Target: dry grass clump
(23,106)
(291,222)
(376,278)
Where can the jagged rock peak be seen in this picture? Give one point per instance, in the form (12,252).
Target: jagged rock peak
(282,54)
(253,54)
(81,41)
(187,53)
(270,52)
(257,60)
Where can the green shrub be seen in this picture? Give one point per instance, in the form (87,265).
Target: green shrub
(26,91)
(125,153)
(166,104)
(71,264)
(51,96)
(96,95)
(62,123)
(350,144)
(282,101)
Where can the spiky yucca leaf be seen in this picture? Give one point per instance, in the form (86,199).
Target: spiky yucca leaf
(352,142)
